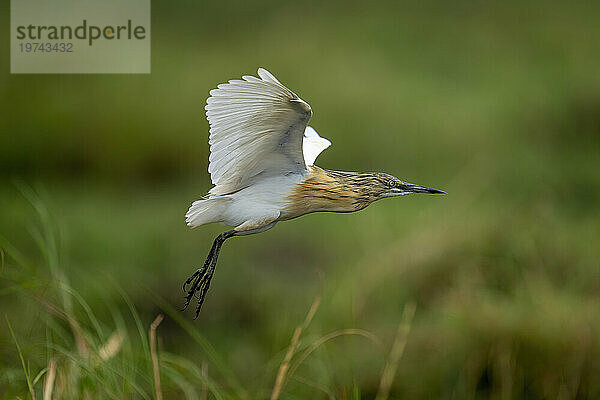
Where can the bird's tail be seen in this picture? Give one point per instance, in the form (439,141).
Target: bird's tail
(205,211)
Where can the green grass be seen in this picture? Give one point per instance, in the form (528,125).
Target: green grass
(87,356)
(498,104)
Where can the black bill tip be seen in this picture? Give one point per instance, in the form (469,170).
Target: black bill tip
(435,191)
(422,189)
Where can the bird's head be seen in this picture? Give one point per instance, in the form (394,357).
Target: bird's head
(353,191)
(385,185)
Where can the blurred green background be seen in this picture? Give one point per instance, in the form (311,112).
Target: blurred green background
(498,103)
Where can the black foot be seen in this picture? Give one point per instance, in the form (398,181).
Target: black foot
(200,280)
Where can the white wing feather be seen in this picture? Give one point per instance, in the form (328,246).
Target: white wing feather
(256,127)
(313,145)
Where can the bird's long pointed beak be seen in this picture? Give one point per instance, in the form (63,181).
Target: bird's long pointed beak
(412,188)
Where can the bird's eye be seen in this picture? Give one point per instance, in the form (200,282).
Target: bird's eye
(391,183)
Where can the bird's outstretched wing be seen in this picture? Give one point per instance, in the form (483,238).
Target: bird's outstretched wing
(313,145)
(256,127)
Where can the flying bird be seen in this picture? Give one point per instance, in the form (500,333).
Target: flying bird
(261,163)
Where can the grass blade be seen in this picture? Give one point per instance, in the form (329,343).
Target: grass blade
(27,377)
(389,371)
(155,370)
(285,364)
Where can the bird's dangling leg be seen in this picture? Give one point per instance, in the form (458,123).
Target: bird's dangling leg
(200,280)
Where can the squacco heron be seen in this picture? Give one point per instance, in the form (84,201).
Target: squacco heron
(261,163)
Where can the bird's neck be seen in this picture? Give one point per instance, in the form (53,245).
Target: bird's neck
(336,191)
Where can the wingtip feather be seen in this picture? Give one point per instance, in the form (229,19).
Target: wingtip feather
(267,76)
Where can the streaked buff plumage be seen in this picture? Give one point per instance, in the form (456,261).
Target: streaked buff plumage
(332,191)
